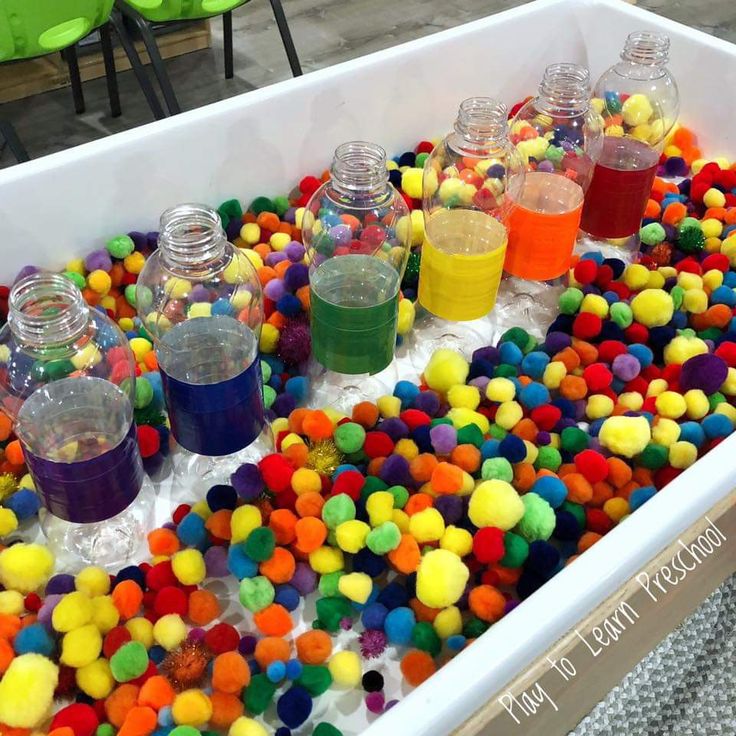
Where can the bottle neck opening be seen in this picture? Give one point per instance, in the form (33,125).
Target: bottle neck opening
(565,87)
(482,121)
(647,48)
(46,310)
(359,166)
(191,236)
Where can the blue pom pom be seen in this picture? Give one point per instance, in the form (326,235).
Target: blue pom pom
(490,449)
(534,395)
(165,718)
(393,596)
(276,671)
(369,563)
(255,668)
(287,596)
(294,706)
(551,489)
(533,364)
(132,572)
(692,432)
(374,615)
(157,654)
(399,624)
(510,353)
(407,392)
(277,365)
(240,564)
(595,427)
(191,530)
(543,558)
(222,307)
(24,503)
(566,526)
(421,438)
(456,642)
(512,448)
(294,669)
(34,639)
(222,496)
(341,469)
(275,381)
(289,305)
(716,425)
(640,496)
(282,731)
(298,387)
(592,255)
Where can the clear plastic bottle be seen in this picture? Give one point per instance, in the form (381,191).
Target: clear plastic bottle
(639,102)
(469,181)
(357,235)
(560,138)
(67,379)
(200,299)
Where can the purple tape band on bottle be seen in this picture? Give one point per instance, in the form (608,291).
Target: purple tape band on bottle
(216,418)
(90,490)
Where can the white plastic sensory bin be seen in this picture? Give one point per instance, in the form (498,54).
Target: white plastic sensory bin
(67,204)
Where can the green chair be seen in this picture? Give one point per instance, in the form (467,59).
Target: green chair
(30,28)
(141,14)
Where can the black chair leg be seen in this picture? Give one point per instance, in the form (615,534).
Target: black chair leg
(18,150)
(70,55)
(144,30)
(281,22)
(110,74)
(138,68)
(227,36)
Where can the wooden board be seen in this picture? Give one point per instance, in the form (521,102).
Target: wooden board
(565,683)
(27,78)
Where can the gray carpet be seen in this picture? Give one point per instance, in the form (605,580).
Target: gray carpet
(685,687)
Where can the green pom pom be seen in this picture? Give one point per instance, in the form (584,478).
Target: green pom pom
(420,159)
(654,456)
(230,210)
(715,399)
(424,637)
(678,294)
(652,234)
(570,300)
(691,240)
(498,468)
(687,223)
(621,314)
(504,370)
(496,432)
(517,550)
(411,275)
(576,510)
(440,420)
(371,485)
(265,372)
(349,437)
(574,440)
(338,509)
(384,538)
(269,396)
(315,679)
(401,496)
(256,593)
(474,627)
(120,247)
(106,729)
(129,662)
(143,394)
(260,544)
(548,457)
(470,434)
(259,694)
(516,335)
(329,584)
(331,611)
(539,519)
(76,278)
(711,333)
(326,729)
(261,204)
(281,204)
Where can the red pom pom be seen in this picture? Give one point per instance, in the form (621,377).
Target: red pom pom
(636,332)
(638,385)
(349,482)
(67,682)
(276,471)
(378,444)
(598,521)
(546,416)
(80,717)
(716,262)
(585,271)
(609,349)
(414,418)
(309,185)
(664,476)
(587,325)
(149,440)
(604,276)
(598,377)
(620,289)
(151,670)
(171,600)
(488,546)
(114,639)
(592,465)
(727,351)
(180,512)
(222,638)
(689,265)
(490,577)
(651,372)
(424,147)
(160,576)
(285,500)
(650,405)
(33,603)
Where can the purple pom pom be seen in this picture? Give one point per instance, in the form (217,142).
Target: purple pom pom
(296,276)
(295,342)
(247,481)
(706,372)
(395,471)
(443,438)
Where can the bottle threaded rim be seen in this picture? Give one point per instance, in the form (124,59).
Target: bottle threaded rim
(359,165)
(190,235)
(646,47)
(482,120)
(566,86)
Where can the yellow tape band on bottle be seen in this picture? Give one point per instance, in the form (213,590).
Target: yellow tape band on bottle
(459,286)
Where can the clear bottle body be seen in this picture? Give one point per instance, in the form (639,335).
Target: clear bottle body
(68,382)
(469,180)
(357,234)
(639,103)
(201,302)
(560,138)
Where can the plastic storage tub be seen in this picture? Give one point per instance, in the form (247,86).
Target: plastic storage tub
(67,204)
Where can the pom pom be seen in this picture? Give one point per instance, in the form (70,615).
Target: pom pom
(25,567)
(28,673)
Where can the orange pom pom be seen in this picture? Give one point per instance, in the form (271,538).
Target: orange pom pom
(417,666)
(156,692)
(127,597)
(579,489)
(422,467)
(524,476)
(296,420)
(230,673)
(310,533)
(309,504)
(6,655)
(619,472)
(446,479)
(140,721)
(405,558)
(422,612)
(218,524)
(487,603)
(280,567)
(282,523)
(271,649)
(120,702)
(366,414)
(313,647)
(467,457)
(418,502)
(226,708)
(274,620)
(203,607)
(317,425)
(587,540)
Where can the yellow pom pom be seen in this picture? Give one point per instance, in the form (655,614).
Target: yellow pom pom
(134,262)
(244,726)
(95,679)
(88,357)
(289,440)
(682,454)
(380,506)
(345,668)
(11,602)
(141,629)
(27,691)
(665,432)
(406,448)
(671,404)
(652,307)
(728,248)
(93,581)
(727,410)
(243,521)
(99,281)
(595,304)
(697,403)
(458,541)
(495,503)
(411,182)
(463,417)
(407,314)
(450,188)
(389,406)
(509,414)
(326,560)
(448,622)
(712,279)
(682,348)
(427,525)
(636,276)
(105,615)
(250,234)
(76,265)
(305,480)
(695,301)
(656,280)
(501,389)
(446,368)
(199,309)
(191,708)
(169,631)
(71,612)
(466,397)
(627,436)
(140,347)
(188,566)
(711,227)
(401,519)
(728,387)
(616,508)
(8,522)
(269,338)
(689,280)
(553,374)
(81,646)
(356,586)
(351,535)
(636,109)
(279,241)
(714,198)
(656,387)
(441,578)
